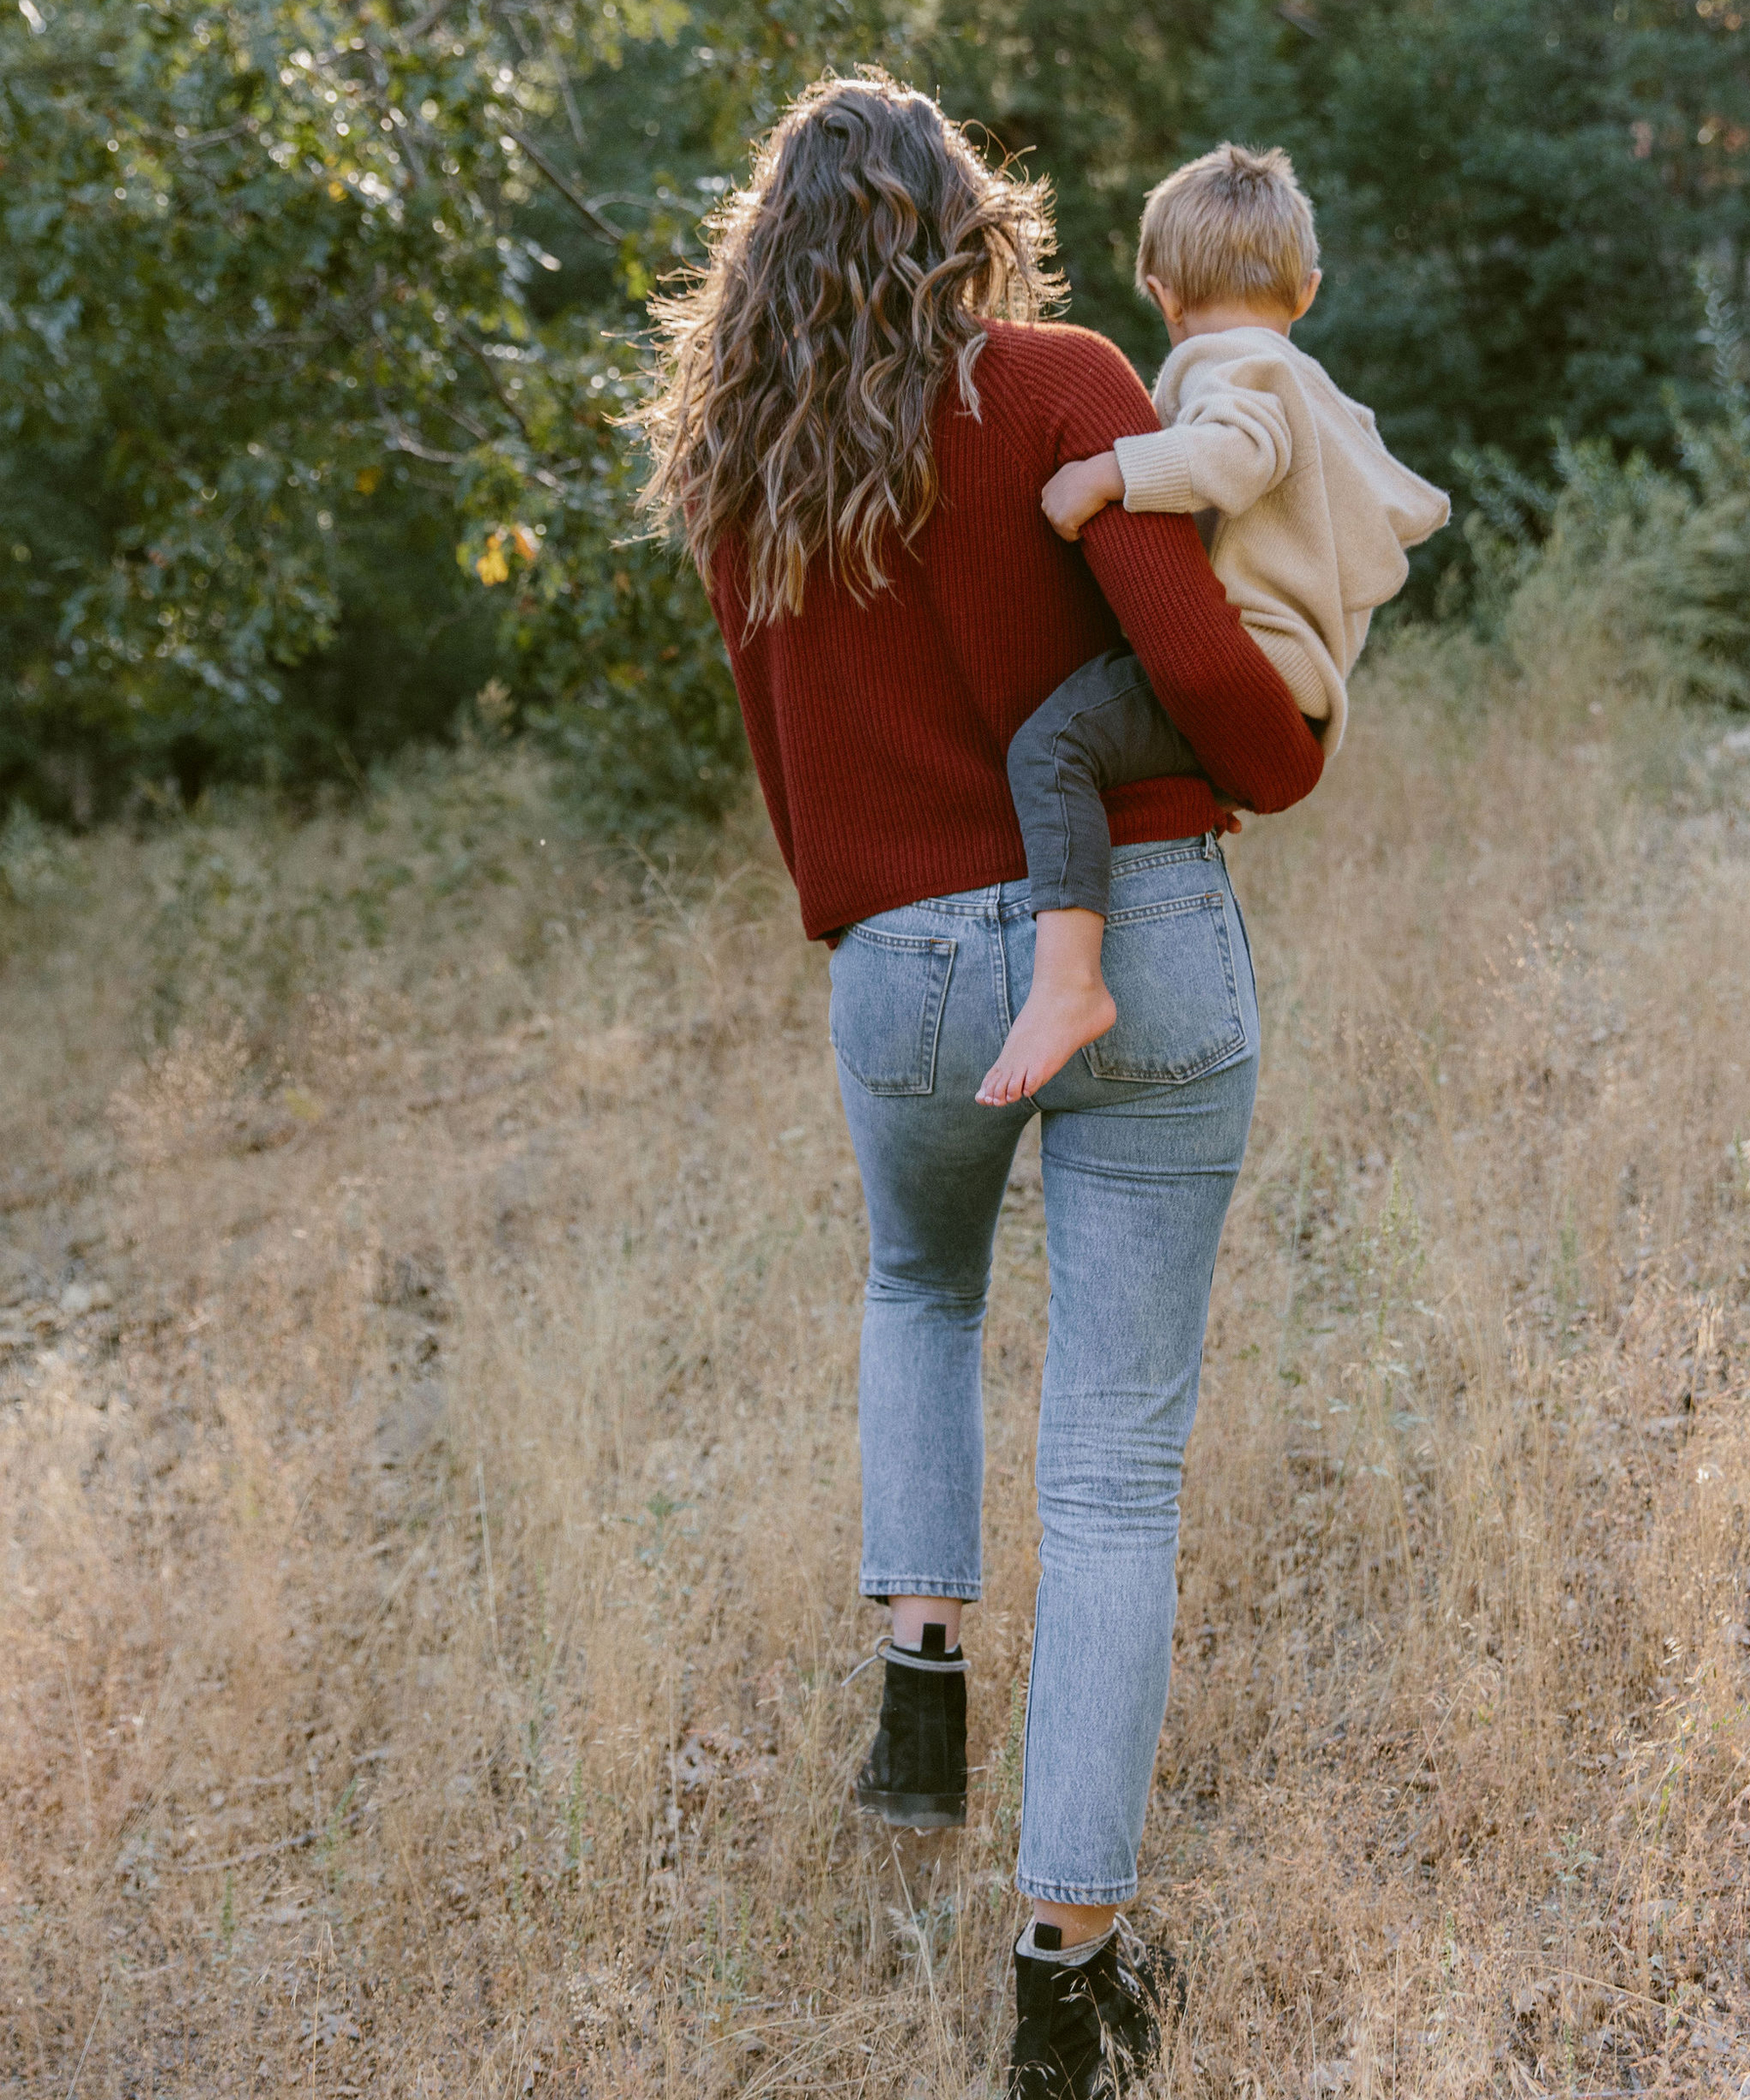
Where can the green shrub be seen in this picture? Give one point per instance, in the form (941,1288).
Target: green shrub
(608,636)
(1651,564)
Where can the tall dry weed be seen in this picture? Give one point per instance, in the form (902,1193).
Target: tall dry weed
(431,1286)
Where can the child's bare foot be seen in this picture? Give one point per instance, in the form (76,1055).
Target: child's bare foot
(1068,1005)
(1053,1023)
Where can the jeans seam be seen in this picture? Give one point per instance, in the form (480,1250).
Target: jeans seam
(1245,938)
(999,978)
(1167,907)
(931,1047)
(1027,1715)
(970,904)
(906,943)
(1195,851)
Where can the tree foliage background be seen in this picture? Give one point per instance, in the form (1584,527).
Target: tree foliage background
(317,318)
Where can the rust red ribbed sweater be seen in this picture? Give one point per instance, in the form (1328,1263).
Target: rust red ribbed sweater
(881,731)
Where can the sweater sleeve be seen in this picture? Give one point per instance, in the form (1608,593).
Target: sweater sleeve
(1230,447)
(1212,679)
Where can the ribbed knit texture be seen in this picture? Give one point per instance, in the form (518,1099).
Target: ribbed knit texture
(1157,471)
(879,731)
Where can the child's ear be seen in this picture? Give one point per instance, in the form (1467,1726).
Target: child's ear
(1171,306)
(1309,293)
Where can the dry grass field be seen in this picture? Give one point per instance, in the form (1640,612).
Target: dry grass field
(429,1275)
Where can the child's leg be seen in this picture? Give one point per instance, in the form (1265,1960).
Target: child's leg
(1068,1005)
(1102,727)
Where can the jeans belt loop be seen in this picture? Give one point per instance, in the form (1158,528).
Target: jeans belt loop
(1210,848)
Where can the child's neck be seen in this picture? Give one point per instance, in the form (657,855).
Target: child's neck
(1216,320)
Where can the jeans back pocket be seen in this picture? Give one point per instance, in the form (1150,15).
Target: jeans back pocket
(1170,969)
(888,992)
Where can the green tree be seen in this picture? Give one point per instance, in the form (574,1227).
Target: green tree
(272,354)
(1101,96)
(1512,194)
(316,315)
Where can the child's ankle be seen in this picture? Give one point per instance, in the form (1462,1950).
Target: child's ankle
(1066,981)
(1066,950)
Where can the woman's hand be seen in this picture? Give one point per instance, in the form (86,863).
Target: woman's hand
(1076,492)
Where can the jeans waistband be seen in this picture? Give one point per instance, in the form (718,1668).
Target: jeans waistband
(999,900)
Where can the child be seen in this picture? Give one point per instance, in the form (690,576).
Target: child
(1312,516)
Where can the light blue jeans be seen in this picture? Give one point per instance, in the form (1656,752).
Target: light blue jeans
(1141,1139)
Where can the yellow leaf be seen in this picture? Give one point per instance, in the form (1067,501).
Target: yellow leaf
(336,191)
(367,478)
(527,545)
(491,568)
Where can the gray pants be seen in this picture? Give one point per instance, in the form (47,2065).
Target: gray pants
(1101,728)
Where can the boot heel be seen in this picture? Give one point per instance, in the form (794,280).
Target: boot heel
(914,1777)
(915,1811)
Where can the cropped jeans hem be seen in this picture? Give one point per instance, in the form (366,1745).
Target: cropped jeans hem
(1061,1892)
(919,1586)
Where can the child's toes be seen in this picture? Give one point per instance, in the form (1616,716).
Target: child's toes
(1000,1090)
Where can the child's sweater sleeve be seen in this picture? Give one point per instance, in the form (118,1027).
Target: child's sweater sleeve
(1230,445)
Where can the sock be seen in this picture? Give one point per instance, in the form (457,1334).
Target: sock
(935,1645)
(1045,1943)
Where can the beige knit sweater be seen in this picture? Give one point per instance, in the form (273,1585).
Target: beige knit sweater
(1315,513)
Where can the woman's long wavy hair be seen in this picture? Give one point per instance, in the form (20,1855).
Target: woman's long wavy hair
(799,370)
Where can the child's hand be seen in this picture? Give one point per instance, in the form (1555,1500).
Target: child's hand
(1076,492)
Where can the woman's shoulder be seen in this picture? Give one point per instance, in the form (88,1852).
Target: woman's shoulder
(1045,348)
(1067,379)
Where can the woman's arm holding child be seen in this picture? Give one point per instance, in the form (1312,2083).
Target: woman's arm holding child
(1232,446)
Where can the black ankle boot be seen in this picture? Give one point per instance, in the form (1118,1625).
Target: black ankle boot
(916,1774)
(1090,2032)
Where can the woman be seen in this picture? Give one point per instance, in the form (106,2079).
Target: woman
(857,413)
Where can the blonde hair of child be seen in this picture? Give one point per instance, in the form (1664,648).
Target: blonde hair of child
(1234,225)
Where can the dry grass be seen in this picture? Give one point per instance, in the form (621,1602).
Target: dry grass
(432,1277)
